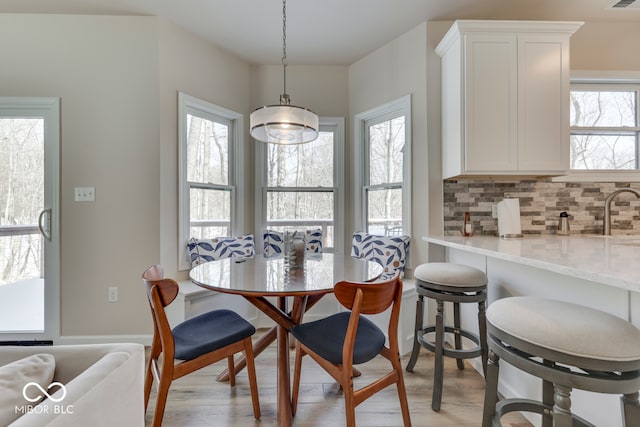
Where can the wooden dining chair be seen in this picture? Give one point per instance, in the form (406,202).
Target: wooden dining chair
(347,338)
(193,344)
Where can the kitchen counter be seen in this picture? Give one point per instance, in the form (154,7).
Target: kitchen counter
(610,260)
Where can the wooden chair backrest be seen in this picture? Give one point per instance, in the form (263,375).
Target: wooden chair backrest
(160,292)
(167,288)
(376,297)
(370,298)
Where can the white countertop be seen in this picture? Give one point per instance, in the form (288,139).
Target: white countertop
(611,260)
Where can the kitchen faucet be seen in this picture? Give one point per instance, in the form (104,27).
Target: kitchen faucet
(607,207)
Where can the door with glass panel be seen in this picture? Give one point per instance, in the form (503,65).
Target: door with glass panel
(29,267)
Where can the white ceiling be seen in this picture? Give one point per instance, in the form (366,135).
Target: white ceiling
(333,32)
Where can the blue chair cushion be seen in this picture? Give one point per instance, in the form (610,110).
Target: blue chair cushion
(209,331)
(326,337)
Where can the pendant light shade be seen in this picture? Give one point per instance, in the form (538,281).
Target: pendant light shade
(284,123)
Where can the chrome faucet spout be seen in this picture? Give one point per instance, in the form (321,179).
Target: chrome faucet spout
(607,207)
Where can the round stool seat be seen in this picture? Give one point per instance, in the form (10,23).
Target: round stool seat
(567,346)
(450,275)
(564,328)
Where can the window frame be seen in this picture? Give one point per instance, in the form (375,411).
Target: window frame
(388,111)
(336,125)
(600,80)
(188,104)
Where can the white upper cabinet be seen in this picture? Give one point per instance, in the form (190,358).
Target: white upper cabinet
(505,97)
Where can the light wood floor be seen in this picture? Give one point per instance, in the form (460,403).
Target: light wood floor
(197,400)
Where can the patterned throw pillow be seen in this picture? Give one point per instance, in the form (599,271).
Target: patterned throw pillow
(273,243)
(389,252)
(205,250)
(313,241)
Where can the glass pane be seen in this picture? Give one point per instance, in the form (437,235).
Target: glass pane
(603,151)
(300,211)
(210,232)
(384,212)
(210,208)
(21,245)
(20,257)
(601,108)
(207,151)
(304,165)
(386,142)
(21,197)
(300,205)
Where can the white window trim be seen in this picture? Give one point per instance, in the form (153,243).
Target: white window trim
(389,109)
(602,77)
(235,176)
(339,182)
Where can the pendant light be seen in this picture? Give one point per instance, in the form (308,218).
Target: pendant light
(285,123)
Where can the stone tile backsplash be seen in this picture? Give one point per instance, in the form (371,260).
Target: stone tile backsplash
(541,202)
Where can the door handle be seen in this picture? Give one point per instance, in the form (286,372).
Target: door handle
(45,229)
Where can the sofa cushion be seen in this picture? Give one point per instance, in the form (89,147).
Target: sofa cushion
(77,404)
(14,377)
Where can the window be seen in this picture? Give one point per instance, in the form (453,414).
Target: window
(605,129)
(384,151)
(301,184)
(209,141)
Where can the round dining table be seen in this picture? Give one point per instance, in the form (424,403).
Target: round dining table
(258,278)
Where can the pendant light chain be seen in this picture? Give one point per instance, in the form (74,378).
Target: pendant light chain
(284,98)
(284,124)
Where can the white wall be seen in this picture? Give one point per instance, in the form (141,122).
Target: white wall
(118,79)
(396,69)
(105,71)
(321,88)
(191,65)
(606,46)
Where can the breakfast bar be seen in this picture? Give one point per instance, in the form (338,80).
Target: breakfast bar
(596,271)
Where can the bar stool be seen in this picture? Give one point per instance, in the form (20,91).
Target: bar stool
(567,346)
(455,283)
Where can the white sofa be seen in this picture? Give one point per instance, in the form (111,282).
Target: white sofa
(103,385)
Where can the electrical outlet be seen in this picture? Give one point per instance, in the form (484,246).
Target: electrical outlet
(113,294)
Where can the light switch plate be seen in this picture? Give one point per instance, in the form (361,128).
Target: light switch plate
(85,194)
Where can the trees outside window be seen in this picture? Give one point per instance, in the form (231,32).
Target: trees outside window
(21,197)
(384,179)
(301,184)
(208,182)
(605,129)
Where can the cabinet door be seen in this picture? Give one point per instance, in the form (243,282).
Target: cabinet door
(543,103)
(491,103)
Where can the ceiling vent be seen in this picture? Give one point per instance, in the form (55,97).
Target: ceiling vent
(625,4)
